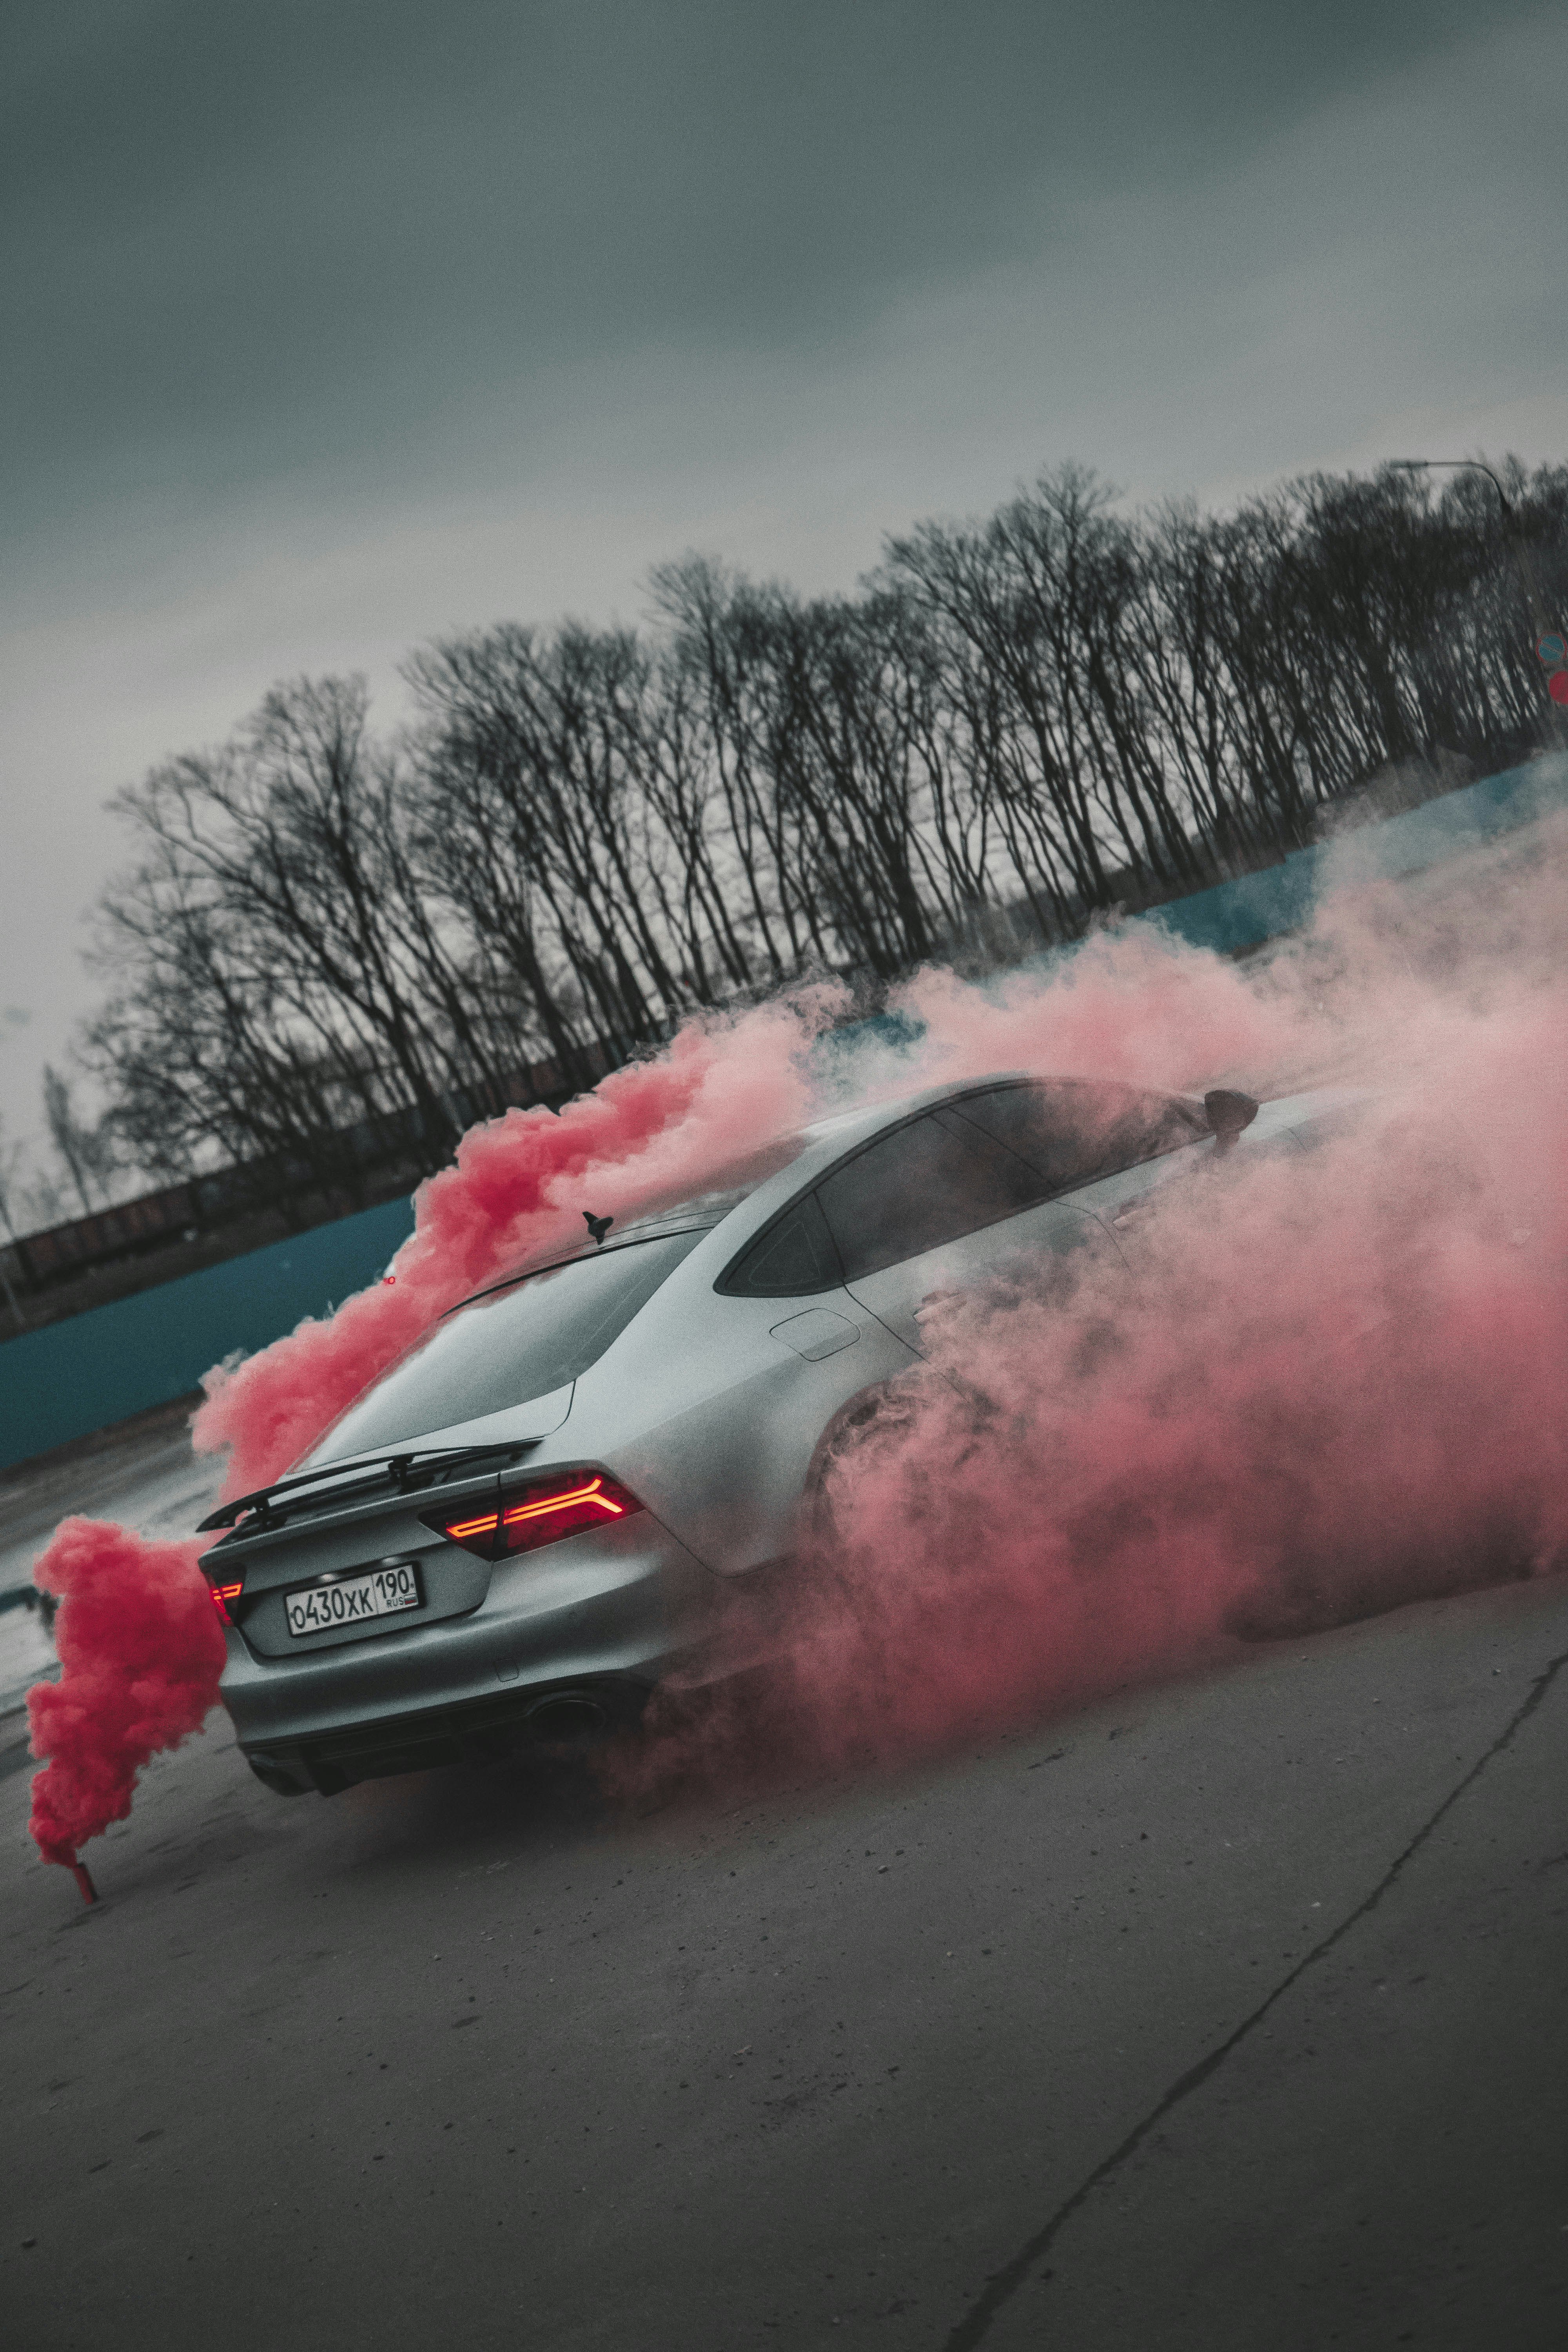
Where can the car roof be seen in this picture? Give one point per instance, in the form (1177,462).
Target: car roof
(820,1146)
(841,1130)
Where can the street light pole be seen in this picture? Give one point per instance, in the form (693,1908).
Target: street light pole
(1526,562)
(1456,464)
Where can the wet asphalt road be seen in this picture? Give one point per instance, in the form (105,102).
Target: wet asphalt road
(1229,2013)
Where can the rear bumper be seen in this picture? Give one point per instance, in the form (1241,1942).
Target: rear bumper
(607,1613)
(420,1740)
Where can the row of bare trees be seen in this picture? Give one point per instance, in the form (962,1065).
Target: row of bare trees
(332,946)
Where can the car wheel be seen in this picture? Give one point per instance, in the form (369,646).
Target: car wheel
(876,1414)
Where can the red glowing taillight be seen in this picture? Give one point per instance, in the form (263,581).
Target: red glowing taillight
(222,1594)
(540,1513)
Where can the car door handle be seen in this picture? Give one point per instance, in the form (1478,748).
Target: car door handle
(1131,1210)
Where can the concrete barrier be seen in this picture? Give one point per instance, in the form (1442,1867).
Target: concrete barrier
(1235,916)
(99,1367)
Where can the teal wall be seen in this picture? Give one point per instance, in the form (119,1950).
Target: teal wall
(1237,915)
(98,1368)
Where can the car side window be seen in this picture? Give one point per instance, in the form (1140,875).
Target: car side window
(924,1184)
(1072,1130)
(793,1257)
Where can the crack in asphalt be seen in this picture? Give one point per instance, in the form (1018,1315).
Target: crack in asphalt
(1003,2285)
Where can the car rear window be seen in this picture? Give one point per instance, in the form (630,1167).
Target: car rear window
(513,1344)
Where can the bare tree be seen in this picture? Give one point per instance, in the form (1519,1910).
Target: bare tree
(280,975)
(86,1152)
(330,948)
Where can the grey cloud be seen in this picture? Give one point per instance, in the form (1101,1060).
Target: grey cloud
(246,242)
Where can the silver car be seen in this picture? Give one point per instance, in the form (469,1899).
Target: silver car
(541,1511)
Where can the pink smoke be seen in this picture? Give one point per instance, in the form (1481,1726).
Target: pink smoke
(519,1185)
(1130,1005)
(141,1644)
(1322,1385)
(142,1649)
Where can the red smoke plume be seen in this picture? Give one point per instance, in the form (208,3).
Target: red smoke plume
(141,1646)
(141,1650)
(1324,1385)
(1320,1385)
(520,1184)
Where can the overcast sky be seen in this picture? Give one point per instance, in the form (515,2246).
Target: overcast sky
(332,327)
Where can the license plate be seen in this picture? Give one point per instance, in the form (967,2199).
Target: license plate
(322,1607)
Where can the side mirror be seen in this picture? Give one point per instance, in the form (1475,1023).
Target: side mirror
(1227,1114)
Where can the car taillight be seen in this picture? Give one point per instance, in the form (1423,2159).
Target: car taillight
(538,1514)
(222,1594)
